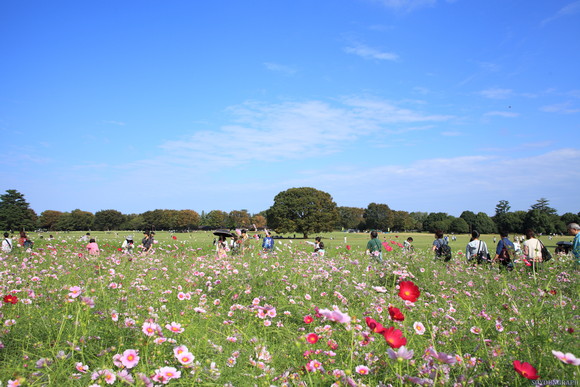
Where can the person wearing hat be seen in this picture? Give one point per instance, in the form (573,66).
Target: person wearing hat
(574,229)
(128,245)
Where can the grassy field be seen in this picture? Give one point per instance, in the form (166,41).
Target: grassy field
(180,316)
(421,241)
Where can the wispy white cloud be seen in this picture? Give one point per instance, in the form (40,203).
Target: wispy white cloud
(464,177)
(406,5)
(563,108)
(118,123)
(367,52)
(567,10)
(502,114)
(496,93)
(280,68)
(260,132)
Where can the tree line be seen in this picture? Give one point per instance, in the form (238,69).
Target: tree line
(305,210)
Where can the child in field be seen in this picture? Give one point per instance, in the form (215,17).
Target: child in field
(407,245)
(375,248)
(93,247)
(128,245)
(320,249)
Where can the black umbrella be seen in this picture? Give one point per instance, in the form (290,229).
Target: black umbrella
(225,233)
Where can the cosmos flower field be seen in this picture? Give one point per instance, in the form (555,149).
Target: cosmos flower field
(288,317)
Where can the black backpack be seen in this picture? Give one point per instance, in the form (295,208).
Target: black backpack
(444,251)
(505,256)
(482,257)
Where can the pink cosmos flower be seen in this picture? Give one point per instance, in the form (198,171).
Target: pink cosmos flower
(174,327)
(74,291)
(314,365)
(150,328)
(475,330)
(125,377)
(117,360)
(15,383)
(130,358)
(362,370)
(179,350)
(567,358)
(185,358)
(419,328)
(165,374)
(401,353)
(335,315)
(109,376)
(81,367)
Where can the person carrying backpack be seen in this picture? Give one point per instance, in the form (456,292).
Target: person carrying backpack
(477,249)
(441,247)
(505,251)
(6,243)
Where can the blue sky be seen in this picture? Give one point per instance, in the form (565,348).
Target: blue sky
(425,105)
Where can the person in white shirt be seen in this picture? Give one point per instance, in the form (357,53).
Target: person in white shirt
(532,247)
(6,243)
(476,248)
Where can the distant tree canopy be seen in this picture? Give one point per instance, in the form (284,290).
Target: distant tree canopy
(351,217)
(378,217)
(305,210)
(15,212)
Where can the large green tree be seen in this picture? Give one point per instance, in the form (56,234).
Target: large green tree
(215,219)
(108,220)
(484,224)
(351,217)
(187,220)
(81,220)
(437,221)
(304,210)
(543,205)
(378,217)
(49,220)
(239,219)
(15,212)
(459,226)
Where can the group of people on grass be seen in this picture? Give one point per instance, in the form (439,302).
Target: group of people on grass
(477,251)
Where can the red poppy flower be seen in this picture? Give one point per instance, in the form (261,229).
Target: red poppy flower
(526,370)
(348,247)
(396,314)
(119,249)
(308,319)
(374,326)
(10,299)
(394,337)
(174,237)
(408,291)
(312,338)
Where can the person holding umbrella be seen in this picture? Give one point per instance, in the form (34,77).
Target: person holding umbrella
(222,245)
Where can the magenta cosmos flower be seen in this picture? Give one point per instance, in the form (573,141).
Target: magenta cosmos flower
(130,358)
